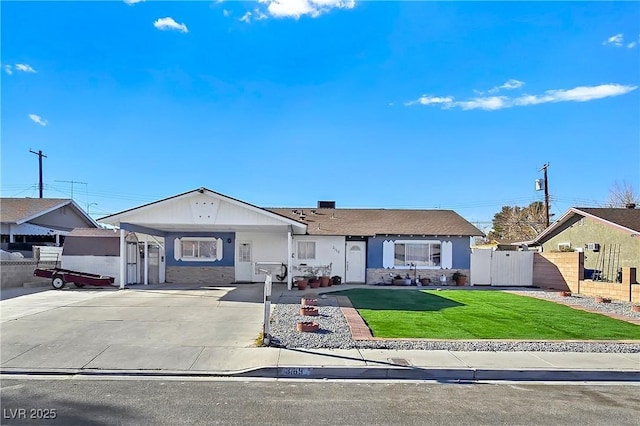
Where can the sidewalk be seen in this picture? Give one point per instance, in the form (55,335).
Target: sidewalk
(331,363)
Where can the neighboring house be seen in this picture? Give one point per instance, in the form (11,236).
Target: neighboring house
(204,236)
(26,222)
(609,237)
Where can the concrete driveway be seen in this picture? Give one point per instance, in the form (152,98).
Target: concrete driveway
(169,326)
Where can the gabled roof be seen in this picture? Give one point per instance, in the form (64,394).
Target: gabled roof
(626,220)
(21,210)
(369,222)
(117,218)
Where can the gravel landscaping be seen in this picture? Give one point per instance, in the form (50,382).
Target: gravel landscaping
(334,331)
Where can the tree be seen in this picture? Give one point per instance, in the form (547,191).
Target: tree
(515,223)
(620,195)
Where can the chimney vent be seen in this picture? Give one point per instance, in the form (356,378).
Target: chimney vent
(326,204)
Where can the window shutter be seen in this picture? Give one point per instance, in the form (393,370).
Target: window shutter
(219,248)
(447,254)
(177,249)
(387,254)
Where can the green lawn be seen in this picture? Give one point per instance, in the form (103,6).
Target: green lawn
(476,314)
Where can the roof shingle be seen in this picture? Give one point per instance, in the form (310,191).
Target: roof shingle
(13,210)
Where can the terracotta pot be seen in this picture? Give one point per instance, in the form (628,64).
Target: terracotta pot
(635,308)
(565,293)
(462,280)
(324,281)
(307,326)
(309,311)
(314,283)
(308,302)
(398,281)
(425,281)
(302,284)
(600,299)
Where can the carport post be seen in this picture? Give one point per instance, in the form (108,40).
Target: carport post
(267,308)
(289,254)
(123,258)
(146,259)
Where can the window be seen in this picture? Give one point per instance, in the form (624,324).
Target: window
(420,254)
(306,250)
(198,249)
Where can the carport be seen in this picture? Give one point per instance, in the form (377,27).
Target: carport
(207,237)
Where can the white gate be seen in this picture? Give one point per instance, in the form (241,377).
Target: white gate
(506,268)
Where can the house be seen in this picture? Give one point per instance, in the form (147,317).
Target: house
(205,236)
(26,222)
(608,237)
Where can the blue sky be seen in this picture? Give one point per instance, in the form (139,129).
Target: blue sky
(282,103)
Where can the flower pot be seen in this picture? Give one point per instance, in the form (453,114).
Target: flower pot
(308,302)
(565,293)
(407,281)
(302,284)
(309,311)
(314,283)
(425,281)
(398,281)
(307,326)
(461,280)
(324,281)
(635,308)
(600,299)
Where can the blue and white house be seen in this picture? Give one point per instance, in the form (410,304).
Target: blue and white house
(204,236)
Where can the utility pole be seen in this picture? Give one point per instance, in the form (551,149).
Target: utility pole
(40,155)
(71,182)
(546,194)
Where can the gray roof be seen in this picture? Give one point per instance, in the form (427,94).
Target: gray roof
(627,220)
(14,210)
(94,232)
(367,222)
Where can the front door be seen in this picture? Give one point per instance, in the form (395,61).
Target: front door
(244,271)
(356,265)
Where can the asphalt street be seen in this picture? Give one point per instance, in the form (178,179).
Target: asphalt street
(84,401)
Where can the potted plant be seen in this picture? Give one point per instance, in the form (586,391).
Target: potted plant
(459,278)
(398,280)
(314,282)
(407,280)
(302,283)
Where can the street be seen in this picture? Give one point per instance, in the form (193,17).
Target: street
(96,401)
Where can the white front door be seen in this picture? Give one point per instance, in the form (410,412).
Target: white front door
(355,272)
(244,271)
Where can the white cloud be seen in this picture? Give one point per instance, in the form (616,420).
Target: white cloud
(632,44)
(132,2)
(37,119)
(168,23)
(259,15)
(508,85)
(246,17)
(615,40)
(226,12)
(491,103)
(297,8)
(24,68)
(430,100)
(8,69)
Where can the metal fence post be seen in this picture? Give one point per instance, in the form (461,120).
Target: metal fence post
(267,308)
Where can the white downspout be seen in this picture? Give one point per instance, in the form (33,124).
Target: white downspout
(123,258)
(289,270)
(146,260)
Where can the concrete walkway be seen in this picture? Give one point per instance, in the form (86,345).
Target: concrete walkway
(207,330)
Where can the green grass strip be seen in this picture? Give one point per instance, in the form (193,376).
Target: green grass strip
(480,314)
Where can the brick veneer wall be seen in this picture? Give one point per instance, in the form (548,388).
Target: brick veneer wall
(376,275)
(200,274)
(14,273)
(559,271)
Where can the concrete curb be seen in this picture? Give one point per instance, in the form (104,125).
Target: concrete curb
(351,373)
